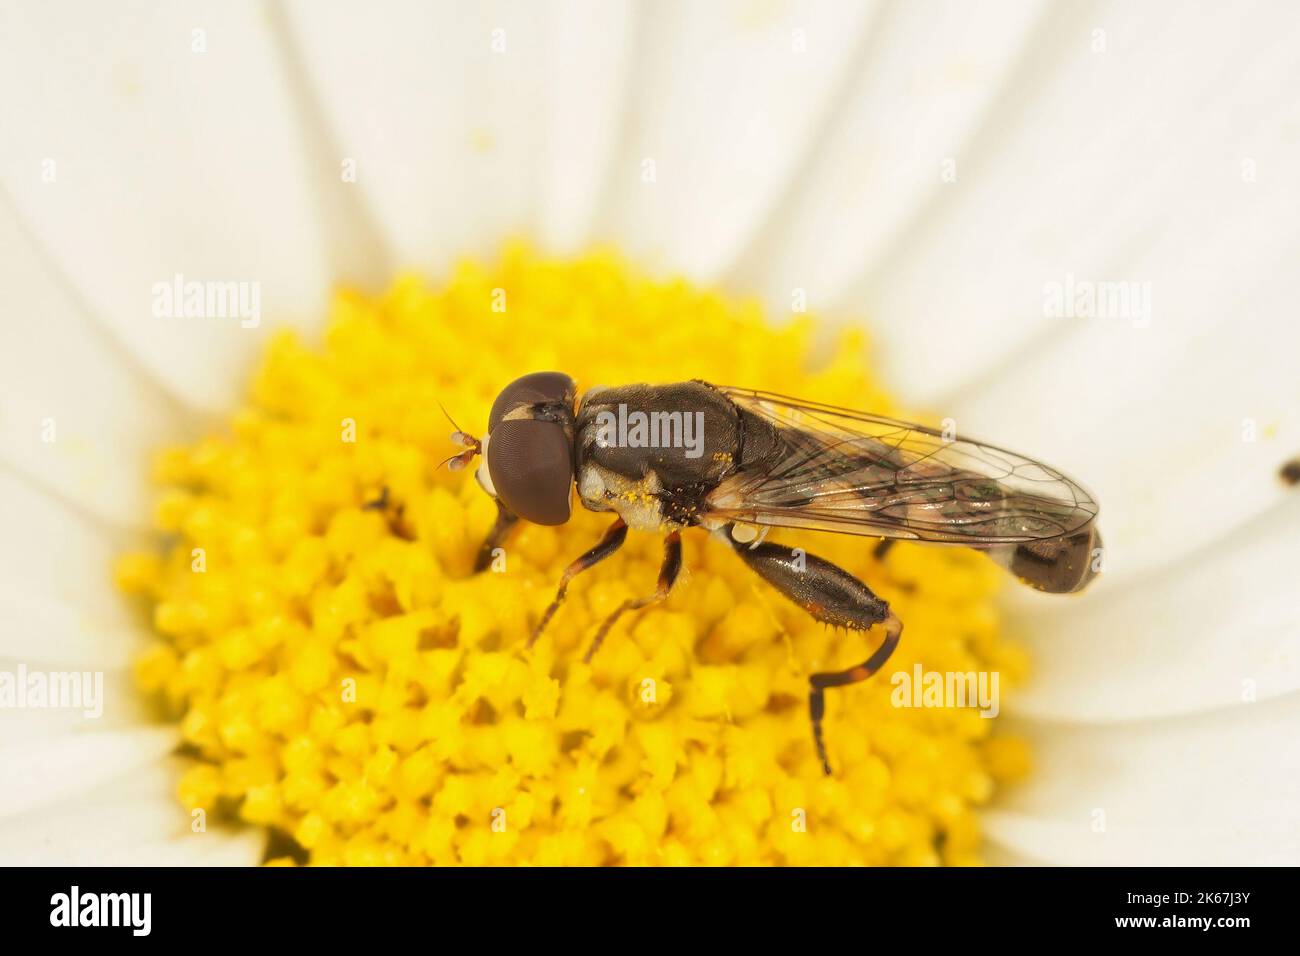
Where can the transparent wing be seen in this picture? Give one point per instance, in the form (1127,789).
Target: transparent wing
(836,469)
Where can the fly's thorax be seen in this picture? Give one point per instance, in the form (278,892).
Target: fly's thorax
(639,502)
(686,433)
(653,452)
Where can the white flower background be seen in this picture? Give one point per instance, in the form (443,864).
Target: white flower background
(1151,142)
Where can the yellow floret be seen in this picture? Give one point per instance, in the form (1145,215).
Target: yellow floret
(343,678)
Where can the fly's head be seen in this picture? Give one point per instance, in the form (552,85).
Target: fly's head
(528,457)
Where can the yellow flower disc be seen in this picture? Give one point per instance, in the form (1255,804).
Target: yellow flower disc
(342,679)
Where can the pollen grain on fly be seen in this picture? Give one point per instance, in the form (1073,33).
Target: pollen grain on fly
(342,678)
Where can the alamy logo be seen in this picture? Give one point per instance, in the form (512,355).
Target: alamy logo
(180,299)
(1088,299)
(103,909)
(920,688)
(53,690)
(651,430)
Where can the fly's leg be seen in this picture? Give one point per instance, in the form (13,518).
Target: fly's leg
(393,513)
(833,596)
(496,537)
(667,577)
(611,542)
(816,698)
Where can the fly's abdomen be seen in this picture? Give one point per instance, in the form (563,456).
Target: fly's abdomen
(1055,565)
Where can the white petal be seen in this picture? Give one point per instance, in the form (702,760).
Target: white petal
(1180,428)
(920,88)
(78,414)
(1217,789)
(149,827)
(1122,164)
(113,696)
(445,132)
(214,848)
(590,57)
(725,107)
(164,161)
(1214,628)
(44,771)
(59,607)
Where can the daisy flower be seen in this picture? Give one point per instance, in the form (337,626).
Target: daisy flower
(1068,228)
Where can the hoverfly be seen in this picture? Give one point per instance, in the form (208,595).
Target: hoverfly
(738,462)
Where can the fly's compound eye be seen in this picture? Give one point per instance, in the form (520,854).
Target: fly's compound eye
(536,388)
(530,448)
(530,463)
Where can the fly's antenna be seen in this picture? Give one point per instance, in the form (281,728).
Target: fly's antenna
(449,418)
(465,440)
